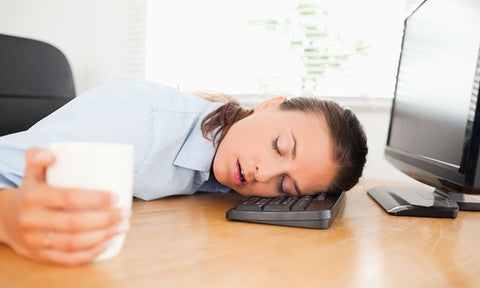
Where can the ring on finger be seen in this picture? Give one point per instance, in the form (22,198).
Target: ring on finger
(48,239)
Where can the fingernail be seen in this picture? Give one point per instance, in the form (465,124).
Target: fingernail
(126,213)
(124,227)
(114,198)
(42,156)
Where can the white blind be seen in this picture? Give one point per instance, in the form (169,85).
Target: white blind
(251,48)
(135,33)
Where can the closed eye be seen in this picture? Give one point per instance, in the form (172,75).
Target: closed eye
(281,191)
(275,146)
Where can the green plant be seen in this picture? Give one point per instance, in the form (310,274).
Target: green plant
(319,48)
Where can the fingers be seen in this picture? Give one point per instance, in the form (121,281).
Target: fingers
(37,161)
(79,222)
(52,197)
(71,258)
(71,242)
(73,246)
(72,221)
(38,193)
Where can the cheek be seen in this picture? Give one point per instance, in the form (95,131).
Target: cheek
(244,142)
(259,189)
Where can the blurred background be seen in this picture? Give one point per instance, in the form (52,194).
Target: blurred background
(343,50)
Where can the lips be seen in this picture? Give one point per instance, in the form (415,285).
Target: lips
(238,176)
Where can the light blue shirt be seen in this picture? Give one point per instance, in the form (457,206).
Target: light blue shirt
(163,124)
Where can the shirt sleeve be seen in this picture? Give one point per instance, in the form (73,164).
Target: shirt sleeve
(117,111)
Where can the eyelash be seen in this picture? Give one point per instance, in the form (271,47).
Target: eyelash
(280,186)
(282,178)
(275,146)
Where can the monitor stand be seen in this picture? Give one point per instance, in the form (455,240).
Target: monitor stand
(414,201)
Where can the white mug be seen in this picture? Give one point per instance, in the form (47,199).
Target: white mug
(99,166)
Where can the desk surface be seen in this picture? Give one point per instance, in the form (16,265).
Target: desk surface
(186,241)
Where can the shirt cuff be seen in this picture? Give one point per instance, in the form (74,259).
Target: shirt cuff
(6,184)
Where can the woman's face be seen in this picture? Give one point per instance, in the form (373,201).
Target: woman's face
(274,152)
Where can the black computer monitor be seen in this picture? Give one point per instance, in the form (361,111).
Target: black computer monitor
(434,132)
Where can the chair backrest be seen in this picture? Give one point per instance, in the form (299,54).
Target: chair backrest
(35,80)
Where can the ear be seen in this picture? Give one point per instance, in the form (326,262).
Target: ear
(270,103)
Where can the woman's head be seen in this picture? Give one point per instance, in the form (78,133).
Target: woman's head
(301,145)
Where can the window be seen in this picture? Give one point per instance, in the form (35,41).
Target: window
(255,49)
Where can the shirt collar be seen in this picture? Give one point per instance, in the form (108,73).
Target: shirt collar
(197,152)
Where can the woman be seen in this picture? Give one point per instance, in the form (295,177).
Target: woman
(183,144)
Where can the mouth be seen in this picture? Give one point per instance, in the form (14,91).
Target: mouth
(239,177)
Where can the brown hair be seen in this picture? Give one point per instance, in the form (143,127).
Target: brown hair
(219,121)
(347,134)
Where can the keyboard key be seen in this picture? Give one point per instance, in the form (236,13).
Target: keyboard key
(250,204)
(320,197)
(302,203)
(282,203)
(319,203)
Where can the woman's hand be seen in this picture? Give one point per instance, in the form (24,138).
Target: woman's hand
(63,226)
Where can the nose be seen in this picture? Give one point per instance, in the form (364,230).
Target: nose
(265,172)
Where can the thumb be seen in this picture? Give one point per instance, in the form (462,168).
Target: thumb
(37,161)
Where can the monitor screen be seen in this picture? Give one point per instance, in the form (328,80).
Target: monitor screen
(435,83)
(434,132)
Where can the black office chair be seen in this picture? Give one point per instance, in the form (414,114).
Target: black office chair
(35,80)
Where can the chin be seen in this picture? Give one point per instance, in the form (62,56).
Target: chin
(240,192)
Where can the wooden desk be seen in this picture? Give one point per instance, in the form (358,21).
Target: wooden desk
(187,242)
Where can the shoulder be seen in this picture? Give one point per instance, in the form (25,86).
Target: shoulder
(160,96)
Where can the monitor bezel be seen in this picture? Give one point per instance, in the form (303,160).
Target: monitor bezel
(463,179)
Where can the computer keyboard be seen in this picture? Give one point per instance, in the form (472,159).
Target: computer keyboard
(317,211)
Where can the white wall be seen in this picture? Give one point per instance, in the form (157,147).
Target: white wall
(93,34)
(375,123)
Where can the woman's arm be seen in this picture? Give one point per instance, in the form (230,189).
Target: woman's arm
(48,224)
